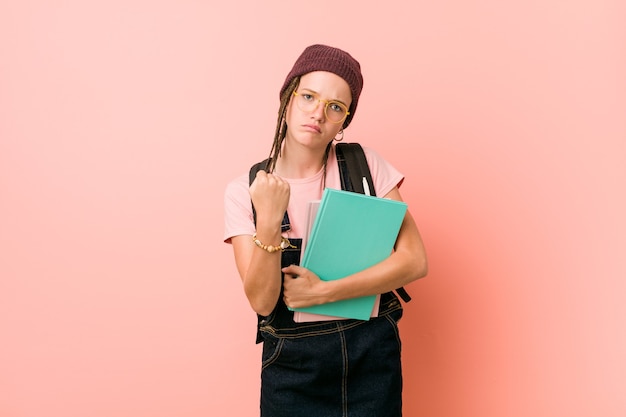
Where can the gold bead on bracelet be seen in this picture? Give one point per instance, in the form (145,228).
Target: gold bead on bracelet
(284,244)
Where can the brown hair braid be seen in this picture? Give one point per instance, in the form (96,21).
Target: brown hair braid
(281,124)
(281,129)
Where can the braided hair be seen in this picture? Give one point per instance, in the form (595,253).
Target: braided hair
(281,129)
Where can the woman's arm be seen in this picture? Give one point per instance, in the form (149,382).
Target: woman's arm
(406,264)
(259,269)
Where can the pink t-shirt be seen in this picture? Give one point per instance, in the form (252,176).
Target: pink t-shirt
(238,208)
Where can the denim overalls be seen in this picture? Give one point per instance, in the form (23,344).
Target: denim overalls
(340,368)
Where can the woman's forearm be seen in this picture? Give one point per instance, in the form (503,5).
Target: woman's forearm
(260,269)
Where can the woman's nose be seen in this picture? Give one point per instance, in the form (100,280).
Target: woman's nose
(319,110)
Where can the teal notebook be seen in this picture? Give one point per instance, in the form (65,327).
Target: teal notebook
(351,232)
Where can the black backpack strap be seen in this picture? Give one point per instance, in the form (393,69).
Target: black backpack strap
(286,225)
(403,294)
(355,174)
(353,168)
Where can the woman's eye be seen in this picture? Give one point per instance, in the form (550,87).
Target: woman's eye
(307,97)
(335,107)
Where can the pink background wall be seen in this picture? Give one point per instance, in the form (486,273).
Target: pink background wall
(122,121)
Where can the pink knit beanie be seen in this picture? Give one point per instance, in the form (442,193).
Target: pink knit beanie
(327,58)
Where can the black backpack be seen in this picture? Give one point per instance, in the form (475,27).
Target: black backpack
(355,176)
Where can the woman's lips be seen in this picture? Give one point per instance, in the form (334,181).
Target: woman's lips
(314,127)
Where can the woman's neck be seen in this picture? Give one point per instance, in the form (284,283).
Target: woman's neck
(299,162)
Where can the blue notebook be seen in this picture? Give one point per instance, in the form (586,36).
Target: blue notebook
(351,232)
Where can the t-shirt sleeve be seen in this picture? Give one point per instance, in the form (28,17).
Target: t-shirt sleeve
(384,175)
(238,219)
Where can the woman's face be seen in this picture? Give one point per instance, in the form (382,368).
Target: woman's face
(311,127)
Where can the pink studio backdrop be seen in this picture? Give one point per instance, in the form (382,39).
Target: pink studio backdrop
(122,121)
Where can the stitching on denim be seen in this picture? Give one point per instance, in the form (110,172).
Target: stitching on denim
(394,326)
(345,370)
(281,333)
(274,356)
(322,328)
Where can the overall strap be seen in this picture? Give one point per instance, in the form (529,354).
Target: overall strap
(356,177)
(286,225)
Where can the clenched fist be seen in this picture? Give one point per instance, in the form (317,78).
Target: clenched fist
(270,196)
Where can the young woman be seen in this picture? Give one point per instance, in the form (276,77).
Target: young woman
(326,367)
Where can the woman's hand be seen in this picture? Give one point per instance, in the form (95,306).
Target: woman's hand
(302,288)
(270,196)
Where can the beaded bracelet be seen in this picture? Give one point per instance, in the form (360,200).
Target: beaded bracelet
(284,244)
